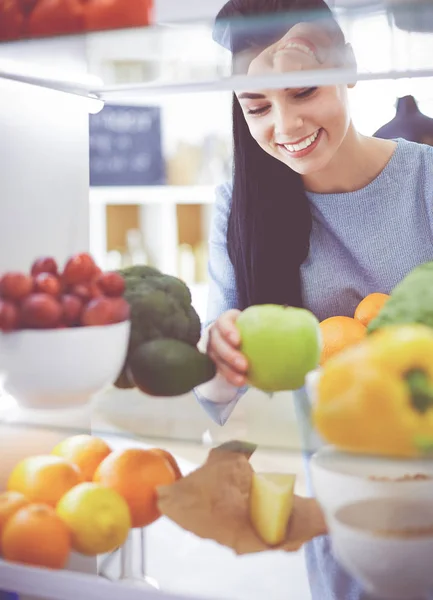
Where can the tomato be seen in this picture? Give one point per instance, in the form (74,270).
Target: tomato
(41,311)
(94,289)
(54,17)
(115,14)
(71,307)
(9,317)
(81,291)
(45,264)
(111,284)
(79,269)
(99,311)
(47,284)
(15,286)
(86,291)
(11,20)
(120,310)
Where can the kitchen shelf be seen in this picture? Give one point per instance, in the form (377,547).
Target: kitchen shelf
(159,194)
(171,64)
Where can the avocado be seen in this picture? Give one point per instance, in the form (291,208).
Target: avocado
(124,382)
(168,367)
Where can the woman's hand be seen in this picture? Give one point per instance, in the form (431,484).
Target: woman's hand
(223,348)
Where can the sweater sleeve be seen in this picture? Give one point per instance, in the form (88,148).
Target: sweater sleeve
(218,397)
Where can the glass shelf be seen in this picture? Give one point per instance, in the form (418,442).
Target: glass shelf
(181,421)
(131,66)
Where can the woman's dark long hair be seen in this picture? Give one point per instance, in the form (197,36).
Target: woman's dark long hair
(270,220)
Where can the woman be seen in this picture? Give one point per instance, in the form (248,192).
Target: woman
(317,215)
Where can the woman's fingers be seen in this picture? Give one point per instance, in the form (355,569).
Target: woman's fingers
(227,353)
(226,325)
(224,340)
(226,371)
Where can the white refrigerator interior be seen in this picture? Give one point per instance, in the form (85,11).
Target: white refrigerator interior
(44,183)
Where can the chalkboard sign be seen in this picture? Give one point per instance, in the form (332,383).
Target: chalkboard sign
(125,146)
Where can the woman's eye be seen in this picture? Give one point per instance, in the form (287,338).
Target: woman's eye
(257,111)
(306,93)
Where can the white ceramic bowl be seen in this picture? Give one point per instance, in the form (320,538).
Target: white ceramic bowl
(62,367)
(339,478)
(390,567)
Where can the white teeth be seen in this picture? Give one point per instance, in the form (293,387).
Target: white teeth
(302,145)
(301,47)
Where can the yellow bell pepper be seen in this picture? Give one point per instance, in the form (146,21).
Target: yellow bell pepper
(377,397)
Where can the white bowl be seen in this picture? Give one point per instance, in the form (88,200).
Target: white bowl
(339,478)
(61,368)
(391,567)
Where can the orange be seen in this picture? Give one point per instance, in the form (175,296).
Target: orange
(170,458)
(339,333)
(44,479)
(10,503)
(370,307)
(36,536)
(135,474)
(85,451)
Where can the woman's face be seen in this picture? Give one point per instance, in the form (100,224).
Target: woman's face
(303,128)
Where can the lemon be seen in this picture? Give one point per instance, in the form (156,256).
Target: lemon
(97,517)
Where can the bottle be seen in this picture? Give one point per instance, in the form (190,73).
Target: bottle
(136,250)
(186,264)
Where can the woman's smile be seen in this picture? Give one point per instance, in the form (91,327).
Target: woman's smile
(302,146)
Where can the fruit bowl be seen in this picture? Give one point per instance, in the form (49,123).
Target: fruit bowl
(61,368)
(368,503)
(340,478)
(387,545)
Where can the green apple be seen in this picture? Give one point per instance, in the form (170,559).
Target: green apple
(281,343)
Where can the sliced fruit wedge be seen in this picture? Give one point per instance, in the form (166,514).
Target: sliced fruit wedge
(271,504)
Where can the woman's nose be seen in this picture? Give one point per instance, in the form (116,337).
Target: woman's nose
(287,120)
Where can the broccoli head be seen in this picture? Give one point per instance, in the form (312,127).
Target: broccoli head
(411,301)
(160,308)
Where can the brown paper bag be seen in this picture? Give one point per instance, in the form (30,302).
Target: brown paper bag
(213,503)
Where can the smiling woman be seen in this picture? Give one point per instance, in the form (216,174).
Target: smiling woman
(301,128)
